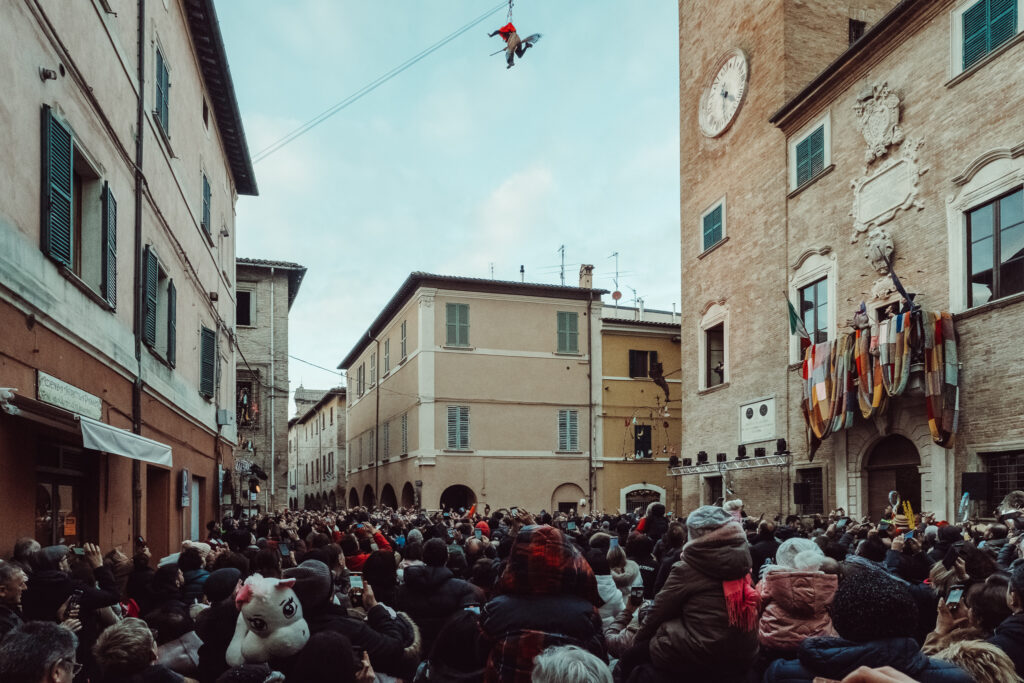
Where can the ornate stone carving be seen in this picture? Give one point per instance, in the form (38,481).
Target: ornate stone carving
(877,248)
(878,196)
(878,120)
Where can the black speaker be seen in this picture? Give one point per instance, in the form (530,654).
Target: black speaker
(702,457)
(741,452)
(673,461)
(760,452)
(976,484)
(802,492)
(780,445)
(722,457)
(687,462)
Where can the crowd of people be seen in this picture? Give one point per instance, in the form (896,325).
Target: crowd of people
(512,596)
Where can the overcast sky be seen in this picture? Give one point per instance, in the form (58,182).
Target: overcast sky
(456,163)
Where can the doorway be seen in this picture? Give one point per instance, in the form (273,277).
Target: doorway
(893,465)
(457,497)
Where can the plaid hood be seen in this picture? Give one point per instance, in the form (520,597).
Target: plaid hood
(543,561)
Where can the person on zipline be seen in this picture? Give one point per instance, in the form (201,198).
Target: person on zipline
(513,45)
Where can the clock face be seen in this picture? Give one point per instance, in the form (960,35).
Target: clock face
(722,98)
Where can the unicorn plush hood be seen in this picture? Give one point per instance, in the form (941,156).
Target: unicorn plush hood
(270,622)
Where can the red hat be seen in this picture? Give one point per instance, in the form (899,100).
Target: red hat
(484,527)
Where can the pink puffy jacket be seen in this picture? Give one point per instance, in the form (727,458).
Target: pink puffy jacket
(796,608)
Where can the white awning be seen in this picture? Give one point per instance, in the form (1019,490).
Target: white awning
(102,437)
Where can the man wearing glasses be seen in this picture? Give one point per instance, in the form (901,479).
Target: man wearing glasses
(39,652)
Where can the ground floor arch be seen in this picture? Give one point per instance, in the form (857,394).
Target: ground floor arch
(388,497)
(369,498)
(333,500)
(457,496)
(893,464)
(638,496)
(408,496)
(567,497)
(353,499)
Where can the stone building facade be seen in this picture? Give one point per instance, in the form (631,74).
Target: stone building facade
(266,292)
(899,143)
(117,251)
(317,455)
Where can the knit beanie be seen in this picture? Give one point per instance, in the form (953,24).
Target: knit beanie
(800,554)
(869,605)
(706,519)
(414,536)
(950,534)
(484,527)
(221,583)
(313,583)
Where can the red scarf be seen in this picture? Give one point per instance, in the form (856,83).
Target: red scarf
(742,603)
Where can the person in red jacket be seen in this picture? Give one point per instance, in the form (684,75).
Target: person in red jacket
(354,560)
(514,47)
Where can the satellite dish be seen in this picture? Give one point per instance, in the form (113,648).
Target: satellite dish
(616,295)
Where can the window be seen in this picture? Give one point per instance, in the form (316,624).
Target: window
(163,93)
(985,26)
(713,489)
(568,430)
(810,152)
(387,356)
(995,260)
(361,379)
(640,362)
(244,308)
(812,477)
(206,114)
(405,432)
(642,441)
(159,329)
(856,30)
(386,440)
(306,478)
(1006,473)
(373,369)
(458,427)
(403,340)
(246,407)
(714,345)
(362,453)
(206,205)
(457,318)
(79,214)
(713,225)
(332,415)
(371,451)
(568,332)
(207,361)
(814,310)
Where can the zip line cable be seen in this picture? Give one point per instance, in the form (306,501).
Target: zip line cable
(370,87)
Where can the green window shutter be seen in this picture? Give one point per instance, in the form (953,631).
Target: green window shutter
(451,324)
(563,430)
(464,427)
(713,227)
(453,426)
(109,283)
(207,361)
(58,164)
(810,156)
(206,204)
(464,324)
(172,323)
(151,277)
(405,432)
(163,86)
(975,33)
(1002,22)
(574,435)
(568,332)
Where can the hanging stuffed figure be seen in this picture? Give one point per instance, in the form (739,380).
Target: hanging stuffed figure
(514,46)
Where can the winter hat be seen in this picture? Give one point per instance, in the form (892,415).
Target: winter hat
(706,519)
(484,527)
(414,536)
(50,556)
(203,548)
(313,583)
(869,605)
(170,559)
(950,534)
(221,583)
(799,554)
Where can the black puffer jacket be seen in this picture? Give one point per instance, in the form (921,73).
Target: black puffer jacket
(432,594)
(388,638)
(1009,637)
(834,658)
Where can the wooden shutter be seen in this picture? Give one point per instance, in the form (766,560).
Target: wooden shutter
(109,284)
(810,156)
(713,227)
(568,335)
(207,361)
(163,85)
(405,432)
(206,204)
(58,173)
(637,363)
(563,430)
(975,33)
(172,323)
(453,425)
(573,435)
(151,278)
(1002,22)
(457,324)
(464,427)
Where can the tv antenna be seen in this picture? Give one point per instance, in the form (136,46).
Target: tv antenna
(616,295)
(561,250)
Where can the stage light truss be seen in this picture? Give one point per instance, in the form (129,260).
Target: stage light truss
(777,460)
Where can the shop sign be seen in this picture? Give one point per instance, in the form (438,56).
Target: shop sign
(70,526)
(59,393)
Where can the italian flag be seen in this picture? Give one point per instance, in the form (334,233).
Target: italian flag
(796,326)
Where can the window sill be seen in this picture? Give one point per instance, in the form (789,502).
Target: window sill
(990,306)
(568,452)
(458,347)
(711,390)
(577,354)
(163,134)
(714,246)
(977,66)
(84,287)
(458,450)
(156,354)
(810,181)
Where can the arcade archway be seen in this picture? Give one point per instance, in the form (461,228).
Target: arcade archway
(369,499)
(457,496)
(566,497)
(388,497)
(408,496)
(353,499)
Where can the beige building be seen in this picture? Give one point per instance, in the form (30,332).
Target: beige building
(265,293)
(637,404)
(117,252)
(317,455)
(467,390)
(816,136)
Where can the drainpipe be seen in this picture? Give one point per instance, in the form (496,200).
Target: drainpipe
(590,401)
(140,118)
(272,494)
(376,426)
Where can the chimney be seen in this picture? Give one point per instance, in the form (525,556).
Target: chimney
(586,276)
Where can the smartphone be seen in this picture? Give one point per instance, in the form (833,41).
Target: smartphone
(514,512)
(75,600)
(355,581)
(614,543)
(637,593)
(842,522)
(475,609)
(359,526)
(955,594)
(909,534)
(479,533)
(78,551)
(451,533)
(285,550)
(572,526)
